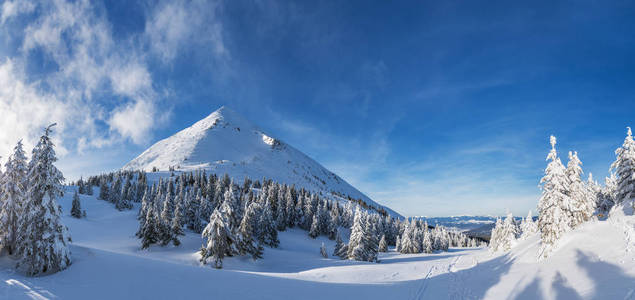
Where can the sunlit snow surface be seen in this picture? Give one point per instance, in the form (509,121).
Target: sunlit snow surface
(591,263)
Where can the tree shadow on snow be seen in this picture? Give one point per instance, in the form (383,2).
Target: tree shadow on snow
(471,283)
(562,289)
(610,280)
(531,291)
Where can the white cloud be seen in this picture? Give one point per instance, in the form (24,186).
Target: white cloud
(134,120)
(97,80)
(12,8)
(25,111)
(174,24)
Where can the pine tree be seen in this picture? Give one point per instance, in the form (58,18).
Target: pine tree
(383,247)
(103,189)
(269,234)
(528,227)
(359,246)
(218,238)
(176,229)
(290,207)
(341,249)
(554,204)
(12,199)
(115,192)
(149,232)
(76,210)
(43,237)
(165,220)
(398,244)
(624,167)
(508,233)
(426,245)
(608,194)
(323,251)
(315,227)
(143,212)
(581,209)
(246,239)
(495,236)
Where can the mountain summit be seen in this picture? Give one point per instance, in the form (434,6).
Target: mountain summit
(225,142)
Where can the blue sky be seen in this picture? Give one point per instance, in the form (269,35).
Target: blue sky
(432,108)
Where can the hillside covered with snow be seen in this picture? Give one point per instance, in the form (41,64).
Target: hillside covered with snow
(226,143)
(595,261)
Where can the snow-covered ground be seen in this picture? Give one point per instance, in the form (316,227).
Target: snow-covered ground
(595,261)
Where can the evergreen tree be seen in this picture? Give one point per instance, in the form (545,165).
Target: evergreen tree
(323,251)
(494,240)
(528,227)
(341,249)
(12,198)
(624,167)
(508,233)
(427,241)
(43,237)
(398,244)
(281,221)
(176,229)
(165,220)
(247,241)
(554,204)
(581,209)
(149,232)
(383,247)
(143,212)
(76,210)
(290,207)
(315,227)
(359,246)
(103,189)
(218,238)
(115,192)
(269,234)
(608,194)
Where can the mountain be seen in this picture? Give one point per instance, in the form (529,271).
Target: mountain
(225,142)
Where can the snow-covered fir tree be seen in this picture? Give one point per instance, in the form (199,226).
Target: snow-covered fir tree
(507,234)
(427,241)
(246,238)
(624,167)
(176,226)
(12,198)
(218,240)
(495,235)
(383,246)
(43,238)
(165,219)
(581,208)
(554,204)
(341,249)
(323,251)
(149,231)
(76,210)
(360,246)
(528,227)
(269,234)
(103,189)
(607,196)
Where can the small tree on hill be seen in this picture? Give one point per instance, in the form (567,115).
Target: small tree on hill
(76,210)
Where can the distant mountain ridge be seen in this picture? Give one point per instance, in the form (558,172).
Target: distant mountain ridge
(225,142)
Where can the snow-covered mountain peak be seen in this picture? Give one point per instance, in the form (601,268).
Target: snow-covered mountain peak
(226,142)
